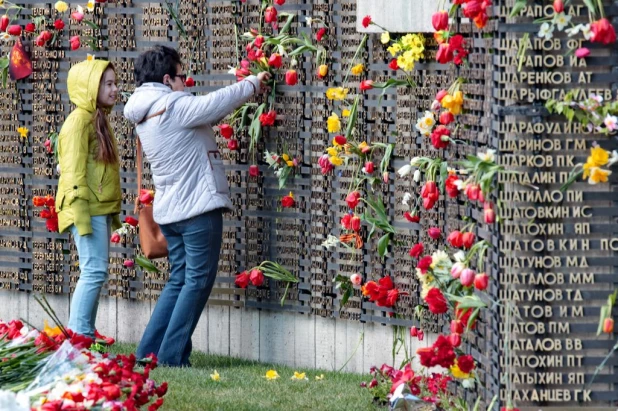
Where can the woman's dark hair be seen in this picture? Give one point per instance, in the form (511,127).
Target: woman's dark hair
(151,66)
(107,152)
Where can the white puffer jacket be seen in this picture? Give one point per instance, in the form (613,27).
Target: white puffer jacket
(187,168)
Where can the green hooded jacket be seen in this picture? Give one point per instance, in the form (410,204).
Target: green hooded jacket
(86,187)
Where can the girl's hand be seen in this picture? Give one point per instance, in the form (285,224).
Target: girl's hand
(264,76)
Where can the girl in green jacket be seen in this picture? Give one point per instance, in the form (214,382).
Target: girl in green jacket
(88,196)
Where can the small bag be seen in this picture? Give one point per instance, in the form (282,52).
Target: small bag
(151,239)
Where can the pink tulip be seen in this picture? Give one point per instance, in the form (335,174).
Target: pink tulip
(467,277)
(582,52)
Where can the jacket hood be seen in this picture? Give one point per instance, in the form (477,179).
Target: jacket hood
(83,83)
(139,104)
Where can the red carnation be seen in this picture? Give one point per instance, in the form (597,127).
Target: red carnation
(366,21)
(417,250)
(424,264)
(436,301)
(440,137)
(465,363)
(268,119)
(59,24)
(189,82)
(30,28)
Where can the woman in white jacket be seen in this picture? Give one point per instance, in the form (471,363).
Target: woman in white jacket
(191,190)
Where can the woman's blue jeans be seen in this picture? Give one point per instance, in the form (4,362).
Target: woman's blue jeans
(194,247)
(93,251)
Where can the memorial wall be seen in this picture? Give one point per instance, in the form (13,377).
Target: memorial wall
(550,257)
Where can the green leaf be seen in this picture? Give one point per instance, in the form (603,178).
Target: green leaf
(146,264)
(383,244)
(288,23)
(472,318)
(443,175)
(602,319)
(4,62)
(346,296)
(352,118)
(574,175)
(519,6)
(468,301)
(255,130)
(386,159)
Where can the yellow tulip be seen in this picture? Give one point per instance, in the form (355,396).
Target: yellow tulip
(333,123)
(385,37)
(358,69)
(336,93)
(61,6)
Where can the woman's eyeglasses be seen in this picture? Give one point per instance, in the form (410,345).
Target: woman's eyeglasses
(183,77)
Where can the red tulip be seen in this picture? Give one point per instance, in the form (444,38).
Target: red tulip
(43,38)
(434,232)
(421,335)
(270,15)
(413,331)
(369,167)
(256,277)
(14,30)
(440,20)
(242,280)
(339,140)
(353,199)
(131,221)
(280,2)
(366,85)
(393,64)
(115,237)
(489,215)
(189,82)
(446,118)
(444,54)
(4,23)
(457,327)
(413,218)
(226,131)
(275,60)
(77,15)
(355,223)
(254,171)
(75,43)
(468,239)
(232,144)
(608,325)
(59,24)
(441,94)
(481,281)
(467,277)
(582,52)
(259,41)
(455,340)
(291,77)
(288,202)
(558,6)
(603,32)
(472,192)
(455,238)
(146,196)
(320,34)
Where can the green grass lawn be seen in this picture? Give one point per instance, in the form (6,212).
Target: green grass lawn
(243,387)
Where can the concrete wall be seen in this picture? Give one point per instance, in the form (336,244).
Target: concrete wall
(301,341)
